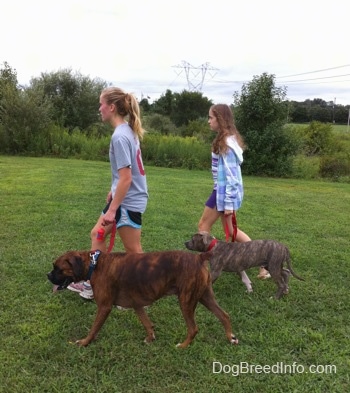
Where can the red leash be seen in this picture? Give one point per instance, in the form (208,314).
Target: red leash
(234,226)
(112,237)
(101,236)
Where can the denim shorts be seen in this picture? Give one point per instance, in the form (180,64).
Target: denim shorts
(124,217)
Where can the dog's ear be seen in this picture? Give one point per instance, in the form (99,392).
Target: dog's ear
(77,264)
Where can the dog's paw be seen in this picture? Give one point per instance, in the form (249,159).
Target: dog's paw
(149,338)
(181,345)
(234,340)
(82,343)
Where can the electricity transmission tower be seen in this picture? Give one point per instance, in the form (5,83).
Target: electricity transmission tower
(195,75)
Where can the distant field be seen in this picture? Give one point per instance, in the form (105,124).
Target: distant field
(337,128)
(341,128)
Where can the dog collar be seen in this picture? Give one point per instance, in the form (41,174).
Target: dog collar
(93,262)
(212,244)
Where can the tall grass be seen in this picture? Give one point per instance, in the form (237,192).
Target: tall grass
(48,206)
(175,152)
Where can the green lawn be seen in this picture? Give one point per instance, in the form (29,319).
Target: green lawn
(341,128)
(48,206)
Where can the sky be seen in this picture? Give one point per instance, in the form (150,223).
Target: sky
(215,47)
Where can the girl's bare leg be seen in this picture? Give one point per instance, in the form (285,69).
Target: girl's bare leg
(97,244)
(131,239)
(208,219)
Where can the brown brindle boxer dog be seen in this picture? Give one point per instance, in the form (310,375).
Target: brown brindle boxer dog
(137,280)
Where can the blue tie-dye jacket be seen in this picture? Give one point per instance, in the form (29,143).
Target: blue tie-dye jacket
(229,182)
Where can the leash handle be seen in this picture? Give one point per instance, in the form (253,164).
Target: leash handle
(101,236)
(234,227)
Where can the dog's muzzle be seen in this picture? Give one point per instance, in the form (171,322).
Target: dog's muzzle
(61,284)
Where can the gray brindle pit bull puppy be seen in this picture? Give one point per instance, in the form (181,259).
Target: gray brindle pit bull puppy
(237,257)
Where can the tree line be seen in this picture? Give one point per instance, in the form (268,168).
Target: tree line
(57,114)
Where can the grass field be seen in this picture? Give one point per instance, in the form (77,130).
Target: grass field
(337,128)
(48,206)
(341,128)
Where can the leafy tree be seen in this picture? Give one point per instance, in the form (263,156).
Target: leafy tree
(341,114)
(25,118)
(298,113)
(189,106)
(8,76)
(323,114)
(318,110)
(164,105)
(261,114)
(74,97)
(145,106)
(182,107)
(8,86)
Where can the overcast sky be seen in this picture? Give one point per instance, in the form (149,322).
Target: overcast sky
(143,46)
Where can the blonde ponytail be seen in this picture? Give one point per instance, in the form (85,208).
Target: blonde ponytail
(126,105)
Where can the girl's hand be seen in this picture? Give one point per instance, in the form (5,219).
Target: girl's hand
(108,218)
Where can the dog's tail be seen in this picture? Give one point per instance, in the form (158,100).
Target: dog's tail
(290,267)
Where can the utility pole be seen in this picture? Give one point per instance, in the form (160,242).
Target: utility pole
(333,108)
(195,75)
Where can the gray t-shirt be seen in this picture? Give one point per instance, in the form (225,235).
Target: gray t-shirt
(124,151)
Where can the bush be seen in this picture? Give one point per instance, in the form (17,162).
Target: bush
(270,152)
(296,132)
(336,166)
(149,146)
(175,152)
(306,167)
(76,144)
(342,141)
(159,123)
(199,129)
(318,138)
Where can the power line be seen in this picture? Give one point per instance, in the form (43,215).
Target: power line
(289,76)
(316,83)
(196,77)
(301,81)
(314,79)
(312,72)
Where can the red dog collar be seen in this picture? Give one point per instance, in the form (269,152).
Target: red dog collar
(212,244)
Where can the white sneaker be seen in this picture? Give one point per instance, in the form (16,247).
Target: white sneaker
(120,308)
(76,286)
(263,274)
(87,293)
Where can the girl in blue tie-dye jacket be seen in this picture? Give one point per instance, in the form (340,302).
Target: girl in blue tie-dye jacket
(227,157)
